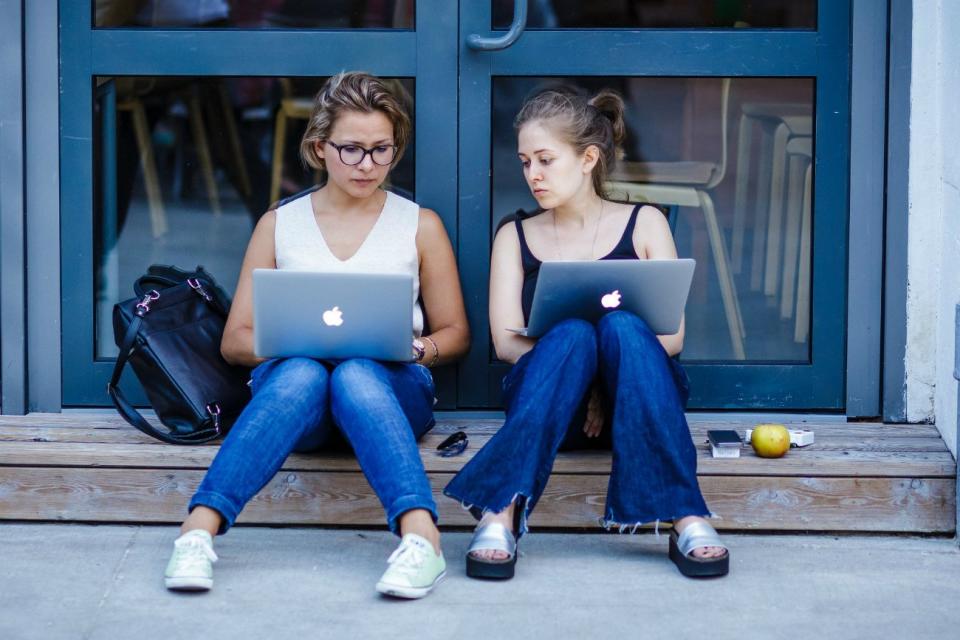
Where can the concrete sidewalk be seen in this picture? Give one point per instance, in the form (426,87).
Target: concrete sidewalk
(105,582)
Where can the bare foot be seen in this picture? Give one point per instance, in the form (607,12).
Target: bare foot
(702,552)
(505,518)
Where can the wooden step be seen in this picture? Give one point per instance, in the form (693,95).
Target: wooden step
(93,467)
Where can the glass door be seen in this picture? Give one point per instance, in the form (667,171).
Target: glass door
(180,125)
(726,102)
(180,128)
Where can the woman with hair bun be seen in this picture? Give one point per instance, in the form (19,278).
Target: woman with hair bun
(613,385)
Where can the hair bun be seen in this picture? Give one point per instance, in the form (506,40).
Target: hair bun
(610,105)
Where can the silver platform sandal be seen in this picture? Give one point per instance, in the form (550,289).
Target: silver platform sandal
(697,536)
(492,537)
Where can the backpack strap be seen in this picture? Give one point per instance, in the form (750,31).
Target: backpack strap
(129,412)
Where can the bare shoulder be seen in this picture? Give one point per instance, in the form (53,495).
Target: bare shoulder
(430,230)
(266,226)
(268,220)
(429,219)
(507,236)
(261,251)
(650,216)
(652,223)
(653,233)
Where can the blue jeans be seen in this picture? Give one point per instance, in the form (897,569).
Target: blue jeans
(654,473)
(299,404)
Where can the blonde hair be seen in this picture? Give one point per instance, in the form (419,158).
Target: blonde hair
(581,122)
(355,91)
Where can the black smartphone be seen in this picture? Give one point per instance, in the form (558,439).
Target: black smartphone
(724,438)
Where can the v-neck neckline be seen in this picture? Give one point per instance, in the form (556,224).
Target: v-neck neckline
(323,239)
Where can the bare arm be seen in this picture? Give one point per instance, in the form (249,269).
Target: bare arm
(237,344)
(440,291)
(659,245)
(506,290)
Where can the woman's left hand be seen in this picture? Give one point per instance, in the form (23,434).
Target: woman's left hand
(593,425)
(419,350)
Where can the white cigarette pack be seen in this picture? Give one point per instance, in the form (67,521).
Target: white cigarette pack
(798,437)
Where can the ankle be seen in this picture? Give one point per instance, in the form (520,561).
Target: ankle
(504,517)
(202,518)
(681,523)
(420,522)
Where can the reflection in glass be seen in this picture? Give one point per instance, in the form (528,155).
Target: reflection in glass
(184,168)
(256,14)
(732,160)
(633,14)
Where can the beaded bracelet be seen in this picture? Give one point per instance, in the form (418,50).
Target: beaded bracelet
(436,352)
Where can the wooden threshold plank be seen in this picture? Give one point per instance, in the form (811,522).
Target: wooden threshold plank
(320,498)
(58,435)
(698,425)
(877,443)
(806,462)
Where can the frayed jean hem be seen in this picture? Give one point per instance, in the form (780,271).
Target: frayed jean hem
(477,510)
(610,521)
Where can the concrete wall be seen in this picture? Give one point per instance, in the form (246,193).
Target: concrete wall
(934,216)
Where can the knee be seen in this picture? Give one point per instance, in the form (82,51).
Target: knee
(301,376)
(355,374)
(620,324)
(575,333)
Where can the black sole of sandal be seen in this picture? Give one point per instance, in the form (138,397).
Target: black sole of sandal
(696,568)
(482,570)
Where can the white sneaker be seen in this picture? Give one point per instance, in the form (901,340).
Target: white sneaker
(415,569)
(191,565)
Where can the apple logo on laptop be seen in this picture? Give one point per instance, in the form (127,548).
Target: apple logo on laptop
(611,300)
(333,317)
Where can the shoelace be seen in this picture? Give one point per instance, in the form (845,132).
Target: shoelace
(407,558)
(191,552)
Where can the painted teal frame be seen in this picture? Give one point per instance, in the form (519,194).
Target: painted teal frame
(454,178)
(428,54)
(822,54)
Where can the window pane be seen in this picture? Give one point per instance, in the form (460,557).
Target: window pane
(633,14)
(738,190)
(184,168)
(256,14)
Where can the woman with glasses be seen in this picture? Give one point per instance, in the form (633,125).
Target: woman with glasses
(615,385)
(357,132)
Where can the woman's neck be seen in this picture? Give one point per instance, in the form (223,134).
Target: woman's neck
(579,209)
(333,198)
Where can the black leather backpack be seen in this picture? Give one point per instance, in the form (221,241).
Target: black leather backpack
(170,333)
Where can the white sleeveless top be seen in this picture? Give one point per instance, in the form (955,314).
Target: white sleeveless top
(390,247)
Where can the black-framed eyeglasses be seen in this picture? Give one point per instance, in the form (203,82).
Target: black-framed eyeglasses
(453,445)
(353,154)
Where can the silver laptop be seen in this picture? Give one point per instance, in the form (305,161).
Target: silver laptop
(332,315)
(655,290)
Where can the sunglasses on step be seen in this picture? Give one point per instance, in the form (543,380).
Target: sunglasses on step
(453,445)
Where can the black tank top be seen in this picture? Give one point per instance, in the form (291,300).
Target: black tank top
(531,266)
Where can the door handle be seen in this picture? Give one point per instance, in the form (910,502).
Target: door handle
(482,43)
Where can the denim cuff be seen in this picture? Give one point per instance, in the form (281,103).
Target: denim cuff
(228,512)
(407,503)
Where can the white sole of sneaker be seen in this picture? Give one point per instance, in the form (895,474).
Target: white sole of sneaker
(189,584)
(410,593)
